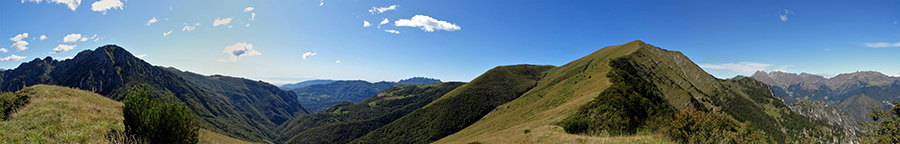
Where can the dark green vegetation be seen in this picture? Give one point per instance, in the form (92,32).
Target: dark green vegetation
(650,83)
(305,84)
(843,89)
(239,108)
(459,108)
(158,118)
(347,121)
(319,97)
(884,127)
(10,102)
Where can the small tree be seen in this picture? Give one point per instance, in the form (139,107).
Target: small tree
(884,127)
(159,119)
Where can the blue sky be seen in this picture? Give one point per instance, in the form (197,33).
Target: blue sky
(452,40)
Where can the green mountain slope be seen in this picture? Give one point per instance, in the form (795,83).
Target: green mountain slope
(460,107)
(347,121)
(111,71)
(319,97)
(860,105)
(580,88)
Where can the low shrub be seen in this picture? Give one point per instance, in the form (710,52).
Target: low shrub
(159,119)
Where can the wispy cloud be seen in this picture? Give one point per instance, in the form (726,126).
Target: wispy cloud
(383,9)
(427,23)
(392,31)
(13,58)
(783,15)
(103,5)
(167,33)
(385,21)
(189,28)
(882,44)
(308,54)
(218,21)
(337,62)
(151,21)
(63,48)
(141,56)
(366,24)
(248,9)
(239,50)
(253,16)
(73,4)
(18,43)
(321,2)
(746,68)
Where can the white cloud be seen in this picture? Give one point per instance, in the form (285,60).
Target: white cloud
(63,48)
(189,28)
(218,21)
(248,9)
(19,44)
(426,23)
(73,4)
(746,68)
(4,50)
(337,62)
(385,21)
(382,9)
(13,58)
(72,38)
(253,16)
(366,24)
(151,21)
(19,37)
(783,16)
(141,56)
(239,50)
(84,39)
(895,22)
(321,2)
(392,31)
(103,5)
(248,25)
(882,44)
(308,54)
(43,37)
(167,33)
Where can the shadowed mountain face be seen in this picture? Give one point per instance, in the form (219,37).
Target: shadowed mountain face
(305,84)
(318,97)
(239,108)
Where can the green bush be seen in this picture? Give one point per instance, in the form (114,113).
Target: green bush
(9,102)
(160,119)
(576,125)
(527,131)
(884,127)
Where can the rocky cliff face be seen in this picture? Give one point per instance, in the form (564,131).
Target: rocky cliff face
(831,114)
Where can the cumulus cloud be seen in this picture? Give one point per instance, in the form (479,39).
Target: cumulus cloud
(308,54)
(73,4)
(141,56)
(784,15)
(103,5)
(239,50)
(189,28)
(218,21)
(426,23)
(742,67)
(337,62)
(167,33)
(882,44)
(151,21)
(385,21)
(19,44)
(13,58)
(248,9)
(43,37)
(392,31)
(4,50)
(366,24)
(63,48)
(382,9)
(72,38)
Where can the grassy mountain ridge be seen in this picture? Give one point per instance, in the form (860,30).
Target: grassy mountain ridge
(682,84)
(347,121)
(111,71)
(460,107)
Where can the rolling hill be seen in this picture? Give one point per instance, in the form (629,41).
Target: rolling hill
(239,108)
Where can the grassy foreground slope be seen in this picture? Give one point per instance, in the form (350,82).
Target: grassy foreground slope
(565,93)
(55,114)
(459,108)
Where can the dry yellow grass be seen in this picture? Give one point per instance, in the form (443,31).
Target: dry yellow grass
(557,96)
(64,115)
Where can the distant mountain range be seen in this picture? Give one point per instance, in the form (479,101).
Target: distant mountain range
(318,95)
(236,107)
(305,84)
(853,92)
